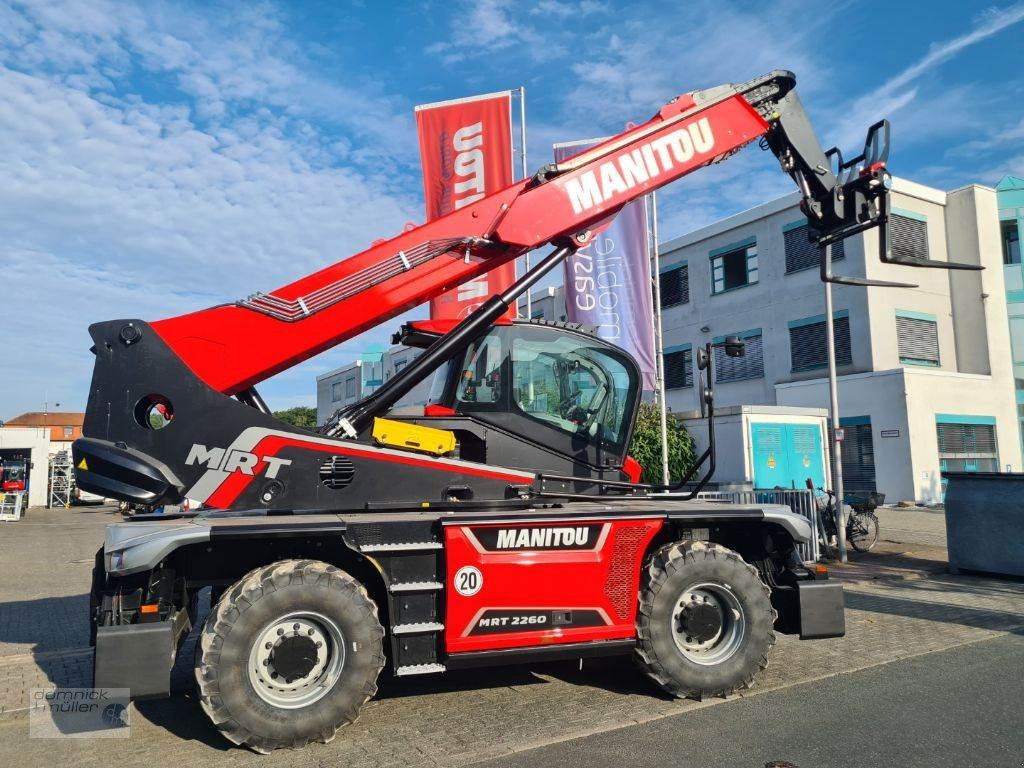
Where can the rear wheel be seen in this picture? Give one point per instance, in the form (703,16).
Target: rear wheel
(289,654)
(705,620)
(863,531)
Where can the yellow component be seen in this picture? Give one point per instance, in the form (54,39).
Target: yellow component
(399,434)
(83,465)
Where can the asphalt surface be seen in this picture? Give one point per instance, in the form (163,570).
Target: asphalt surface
(962,707)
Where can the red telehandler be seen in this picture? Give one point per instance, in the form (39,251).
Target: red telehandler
(502,523)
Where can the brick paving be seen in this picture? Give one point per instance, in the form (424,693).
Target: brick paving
(461,718)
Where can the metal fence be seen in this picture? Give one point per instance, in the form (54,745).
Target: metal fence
(802,502)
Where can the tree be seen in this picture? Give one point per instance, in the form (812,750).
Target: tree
(646,445)
(301,416)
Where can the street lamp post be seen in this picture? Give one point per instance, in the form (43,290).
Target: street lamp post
(833,391)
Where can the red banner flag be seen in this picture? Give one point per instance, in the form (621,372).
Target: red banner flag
(466,152)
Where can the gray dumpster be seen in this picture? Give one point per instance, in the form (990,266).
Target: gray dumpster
(985,522)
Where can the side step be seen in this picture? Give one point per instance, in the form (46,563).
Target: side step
(418,628)
(419,669)
(413,546)
(415,586)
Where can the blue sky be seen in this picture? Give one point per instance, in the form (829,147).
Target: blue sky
(160,157)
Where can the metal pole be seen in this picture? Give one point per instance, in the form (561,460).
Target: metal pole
(833,391)
(522,154)
(659,363)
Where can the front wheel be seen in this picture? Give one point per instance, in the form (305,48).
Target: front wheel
(289,654)
(705,620)
(862,531)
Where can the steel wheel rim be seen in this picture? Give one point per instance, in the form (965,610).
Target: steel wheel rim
(311,685)
(724,643)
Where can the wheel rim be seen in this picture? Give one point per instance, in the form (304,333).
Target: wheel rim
(708,623)
(296,659)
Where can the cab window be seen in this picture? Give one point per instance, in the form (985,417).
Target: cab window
(577,389)
(480,379)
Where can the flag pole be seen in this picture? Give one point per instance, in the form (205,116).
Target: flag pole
(522,154)
(659,344)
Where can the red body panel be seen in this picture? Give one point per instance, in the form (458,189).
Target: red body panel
(547,592)
(232,347)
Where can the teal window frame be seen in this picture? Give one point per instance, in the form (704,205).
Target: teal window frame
(717,256)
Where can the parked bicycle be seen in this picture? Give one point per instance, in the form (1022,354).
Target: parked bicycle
(862,529)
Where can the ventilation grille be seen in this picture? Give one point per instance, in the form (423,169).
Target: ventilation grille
(337,472)
(620,585)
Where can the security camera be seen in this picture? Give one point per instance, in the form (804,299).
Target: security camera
(734,346)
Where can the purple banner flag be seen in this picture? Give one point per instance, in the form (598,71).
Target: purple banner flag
(608,283)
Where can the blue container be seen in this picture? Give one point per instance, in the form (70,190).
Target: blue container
(985,522)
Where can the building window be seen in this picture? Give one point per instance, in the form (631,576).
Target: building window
(1011,242)
(734,267)
(967,443)
(350,386)
(917,337)
(674,285)
(336,393)
(537,314)
(808,342)
(908,236)
(68,432)
(750,366)
(678,368)
(400,364)
(858,454)
(803,254)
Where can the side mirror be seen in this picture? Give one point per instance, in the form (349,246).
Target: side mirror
(735,346)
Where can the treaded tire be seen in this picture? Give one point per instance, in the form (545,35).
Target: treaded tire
(870,520)
(258,599)
(670,571)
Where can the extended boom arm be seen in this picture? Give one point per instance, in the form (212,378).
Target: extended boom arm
(234,346)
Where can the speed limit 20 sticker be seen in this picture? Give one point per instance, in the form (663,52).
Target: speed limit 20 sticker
(468,580)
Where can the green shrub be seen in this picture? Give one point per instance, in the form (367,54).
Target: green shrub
(646,445)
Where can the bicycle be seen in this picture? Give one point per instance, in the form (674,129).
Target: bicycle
(862,528)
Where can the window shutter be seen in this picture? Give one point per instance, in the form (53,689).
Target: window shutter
(858,458)
(675,286)
(967,439)
(801,253)
(917,339)
(908,237)
(808,345)
(679,369)
(750,366)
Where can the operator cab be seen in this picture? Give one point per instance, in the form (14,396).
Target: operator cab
(543,385)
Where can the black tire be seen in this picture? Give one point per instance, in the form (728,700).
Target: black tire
(242,616)
(868,521)
(671,573)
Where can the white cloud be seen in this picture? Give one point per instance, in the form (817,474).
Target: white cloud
(119,205)
(922,114)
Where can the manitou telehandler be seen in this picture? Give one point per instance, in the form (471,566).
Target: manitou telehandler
(504,522)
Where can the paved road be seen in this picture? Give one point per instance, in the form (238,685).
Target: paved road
(913,525)
(961,707)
